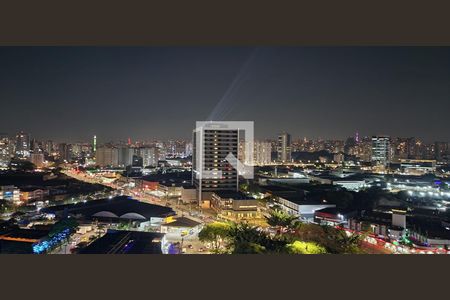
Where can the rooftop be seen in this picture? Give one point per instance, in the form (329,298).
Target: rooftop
(29,235)
(428,227)
(172,177)
(335,211)
(301,200)
(118,207)
(233,195)
(126,242)
(183,222)
(277,188)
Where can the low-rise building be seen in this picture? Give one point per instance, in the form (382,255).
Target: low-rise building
(188,194)
(170,189)
(414,166)
(21,241)
(235,205)
(27,194)
(333,216)
(10,193)
(390,225)
(127,242)
(182,227)
(351,185)
(298,205)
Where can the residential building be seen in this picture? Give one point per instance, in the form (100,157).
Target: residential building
(284,148)
(107,156)
(10,193)
(22,145)
(5,154)
(381,147)
(262,153)
(37,159)
(211,171)
(149,156)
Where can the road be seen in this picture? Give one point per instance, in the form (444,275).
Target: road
(191,245)
(138,194)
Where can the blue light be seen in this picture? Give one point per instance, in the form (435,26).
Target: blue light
(51,243)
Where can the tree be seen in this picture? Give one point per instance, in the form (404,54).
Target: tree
(341,242)
(299,247)
(281,219)
(6,206)
(246,239)
(332,239)
(215,233)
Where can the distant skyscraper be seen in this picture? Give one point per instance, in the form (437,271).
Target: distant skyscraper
(350,146)
(35,145)
(262,153)
(284,148)
(381,150)
(49,147)
(94,144)
(22,145)
(441,151)
(162,153)
(64,152)
(415,148)
(188,149)
(5,154)
(37,158)
(125,156)
(214,143)
(149,156)
(107,156)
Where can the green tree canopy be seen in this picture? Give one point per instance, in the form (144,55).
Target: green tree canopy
(279,218)
(246,239)
(332,239)
(215,233)
(299,247)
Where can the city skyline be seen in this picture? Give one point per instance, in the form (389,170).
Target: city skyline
(357,136)
(71,94)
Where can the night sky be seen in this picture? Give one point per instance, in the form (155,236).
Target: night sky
(71,93)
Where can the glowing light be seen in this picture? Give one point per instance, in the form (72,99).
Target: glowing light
(51,243)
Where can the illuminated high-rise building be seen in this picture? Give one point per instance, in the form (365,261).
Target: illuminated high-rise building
(64,152)
(211,145)
(188,149)
(125,155)
(284,148)
(5,154)
(262,153)
(94,144)
(381,150)
(149,156)
(49,147)
(107,156)
(37,158)
(441,151)
(22,145)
